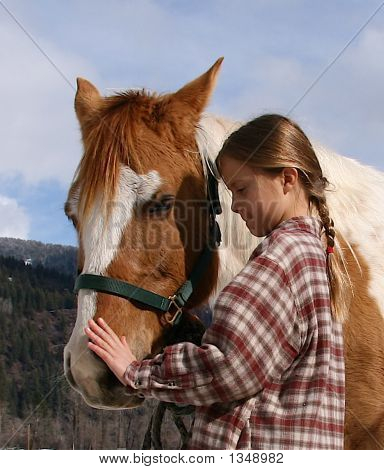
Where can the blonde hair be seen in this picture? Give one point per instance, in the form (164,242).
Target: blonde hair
(272,142)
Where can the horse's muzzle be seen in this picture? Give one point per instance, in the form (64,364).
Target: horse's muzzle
(97,384)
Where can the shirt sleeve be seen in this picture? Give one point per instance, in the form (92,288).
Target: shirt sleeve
(254,338)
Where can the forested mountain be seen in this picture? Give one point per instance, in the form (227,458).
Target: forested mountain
(59,257)
(37,407)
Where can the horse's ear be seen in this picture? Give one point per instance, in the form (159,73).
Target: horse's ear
(87,99)
(195,95)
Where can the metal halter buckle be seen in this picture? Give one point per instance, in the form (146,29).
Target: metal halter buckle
(179,310)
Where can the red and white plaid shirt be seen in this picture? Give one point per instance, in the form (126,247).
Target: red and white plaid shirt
(270,371)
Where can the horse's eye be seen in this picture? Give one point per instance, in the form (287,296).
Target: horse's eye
(162,206)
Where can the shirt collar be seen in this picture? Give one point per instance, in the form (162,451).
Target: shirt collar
(306,223)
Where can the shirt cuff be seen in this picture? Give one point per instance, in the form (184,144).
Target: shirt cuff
(137,376)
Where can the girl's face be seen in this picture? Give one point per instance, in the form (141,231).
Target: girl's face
(263,199)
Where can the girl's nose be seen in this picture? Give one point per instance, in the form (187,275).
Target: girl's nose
(235,207)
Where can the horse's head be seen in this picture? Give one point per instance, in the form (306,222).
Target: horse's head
(138,202)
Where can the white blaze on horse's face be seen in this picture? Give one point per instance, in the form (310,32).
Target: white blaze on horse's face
(100,244)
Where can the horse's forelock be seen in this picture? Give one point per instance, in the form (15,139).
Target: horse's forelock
(112,138)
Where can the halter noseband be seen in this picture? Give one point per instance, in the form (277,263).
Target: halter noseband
(176,301)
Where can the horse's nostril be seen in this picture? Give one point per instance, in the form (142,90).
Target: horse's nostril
(68,373)
(67,361)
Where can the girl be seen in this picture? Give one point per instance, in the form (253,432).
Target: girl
(270,371)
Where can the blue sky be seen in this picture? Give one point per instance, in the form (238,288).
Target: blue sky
(274,51)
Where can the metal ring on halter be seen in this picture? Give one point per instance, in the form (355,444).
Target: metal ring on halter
(179,310)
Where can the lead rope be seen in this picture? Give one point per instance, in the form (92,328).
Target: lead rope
(152,439)
(189,329)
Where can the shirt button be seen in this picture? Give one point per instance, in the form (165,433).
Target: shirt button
(304,404)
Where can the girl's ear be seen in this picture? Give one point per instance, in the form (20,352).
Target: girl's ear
(290,177)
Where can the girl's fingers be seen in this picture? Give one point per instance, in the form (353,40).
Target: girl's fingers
(104,325)
(101,332)
(102,353)
(96,338)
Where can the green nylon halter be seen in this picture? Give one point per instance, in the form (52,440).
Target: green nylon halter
(129,291)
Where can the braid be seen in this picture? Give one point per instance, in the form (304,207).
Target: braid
(338,279)
(328,223)
(316,191)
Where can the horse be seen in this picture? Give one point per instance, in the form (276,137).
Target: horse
(138,201)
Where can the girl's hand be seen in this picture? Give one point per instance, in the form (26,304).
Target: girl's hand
(114,351)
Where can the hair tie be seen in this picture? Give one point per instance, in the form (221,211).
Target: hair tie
(330,249)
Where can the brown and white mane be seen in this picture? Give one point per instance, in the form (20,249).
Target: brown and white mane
(140,149)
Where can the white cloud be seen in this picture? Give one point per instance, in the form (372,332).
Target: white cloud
(40,138)
(14,220)
(344,109)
